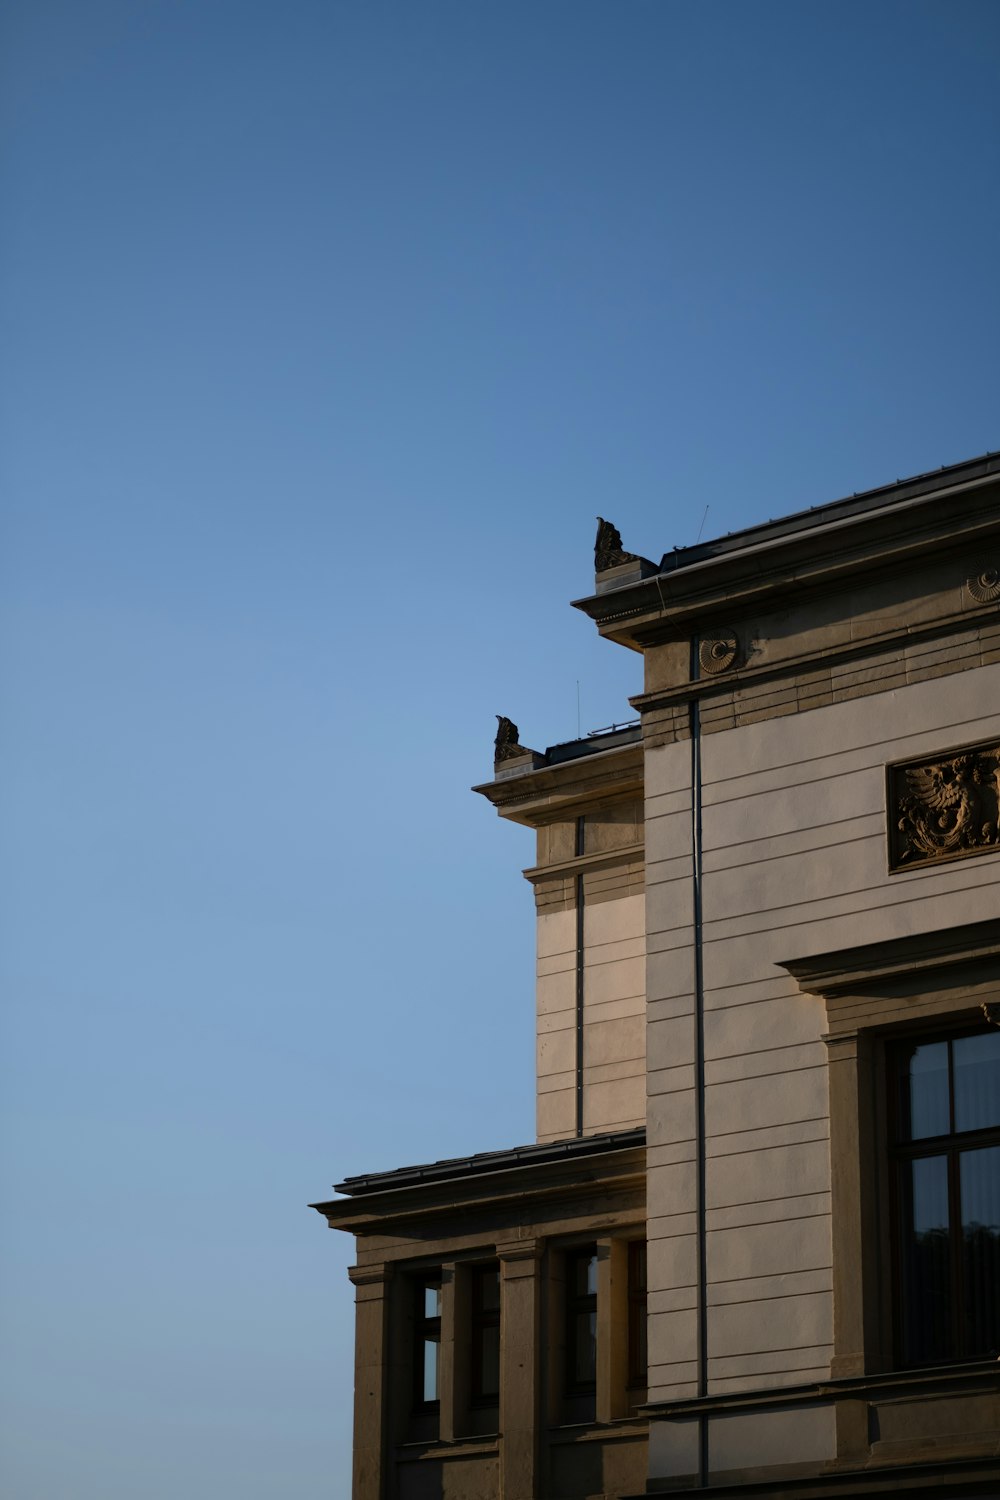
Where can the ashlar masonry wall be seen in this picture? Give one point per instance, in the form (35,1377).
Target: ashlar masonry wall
(605,956)
(794,861)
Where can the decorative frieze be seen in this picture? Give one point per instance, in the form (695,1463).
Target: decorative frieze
(944,806)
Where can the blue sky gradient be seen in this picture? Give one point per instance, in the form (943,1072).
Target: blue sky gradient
(328,329)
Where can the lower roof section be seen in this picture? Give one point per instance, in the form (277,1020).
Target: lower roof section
(493,1161)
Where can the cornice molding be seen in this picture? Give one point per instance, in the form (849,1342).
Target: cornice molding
(584,863)
(543,794)
(868,966)
(738,578)
(374,1275)
(982,1375)
(616,1173)
(807,661)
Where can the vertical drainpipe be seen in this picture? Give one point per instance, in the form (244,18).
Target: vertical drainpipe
(699,1068)
(580,826)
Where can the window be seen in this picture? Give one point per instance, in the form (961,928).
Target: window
(581,1321)
(427,1342)
(637,1361)
(485,1336)
(945,1159)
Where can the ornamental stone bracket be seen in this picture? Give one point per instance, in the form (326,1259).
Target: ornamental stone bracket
(944,806)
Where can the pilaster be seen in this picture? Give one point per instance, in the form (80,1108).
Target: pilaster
(371,1284)
(520,1389)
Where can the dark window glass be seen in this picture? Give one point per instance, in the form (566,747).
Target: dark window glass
(925,1091)
(925,1263)
(485,1335)
(637,1359)
(427,1341)
(581,1320)
(946,1165)
(979,1186)
(977,1081)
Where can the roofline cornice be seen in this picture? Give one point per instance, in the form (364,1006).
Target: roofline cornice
(616,1168)
(953,511)
(541,794)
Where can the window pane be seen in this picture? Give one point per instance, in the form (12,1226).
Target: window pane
(489,1371)
(489,1290)
(585,1275)
(924,1091)
(585,1348)
(924,1261)
(977,1081)
(432,1350)
(979,1177)
(432,1301)
(639,1355)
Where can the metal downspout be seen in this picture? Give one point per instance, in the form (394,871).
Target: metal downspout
(580,833)
(699,1069)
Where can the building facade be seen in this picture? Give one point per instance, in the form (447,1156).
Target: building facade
(755,1246)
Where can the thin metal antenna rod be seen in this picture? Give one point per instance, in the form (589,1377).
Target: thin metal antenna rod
(701,528)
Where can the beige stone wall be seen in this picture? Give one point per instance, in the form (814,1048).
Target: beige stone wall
(670,1151)
(614,977)
(556,1034)
(614,1014)
(795,862)
(614,1032)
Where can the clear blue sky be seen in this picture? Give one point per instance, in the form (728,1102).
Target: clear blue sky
(328,329)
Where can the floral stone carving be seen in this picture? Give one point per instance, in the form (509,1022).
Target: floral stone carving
(944,807)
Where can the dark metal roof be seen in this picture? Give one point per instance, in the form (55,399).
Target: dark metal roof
(596,741)
(493,1161)
(832,510)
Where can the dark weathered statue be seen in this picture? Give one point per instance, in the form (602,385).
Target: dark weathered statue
(506,745)
(608,549)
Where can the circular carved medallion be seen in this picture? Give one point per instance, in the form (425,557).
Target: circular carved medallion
(985,586)
(717,653)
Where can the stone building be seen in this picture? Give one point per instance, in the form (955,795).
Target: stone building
(756,1244)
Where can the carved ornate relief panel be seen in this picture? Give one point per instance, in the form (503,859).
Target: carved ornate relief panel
(944,806)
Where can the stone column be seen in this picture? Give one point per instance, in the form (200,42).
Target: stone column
(520,1384)
(846,1185)
(447,1430)
(612,1329)
(858,1292)
(371,1285)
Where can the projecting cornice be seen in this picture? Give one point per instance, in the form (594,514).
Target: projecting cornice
(872,966)
(584,1169)
(817,550)
(568,778)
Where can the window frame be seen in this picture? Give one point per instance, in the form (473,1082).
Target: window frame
(873,993)
(424,1330)
(575,1304)
(481,1319)
(637,1378)
(901,1153)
